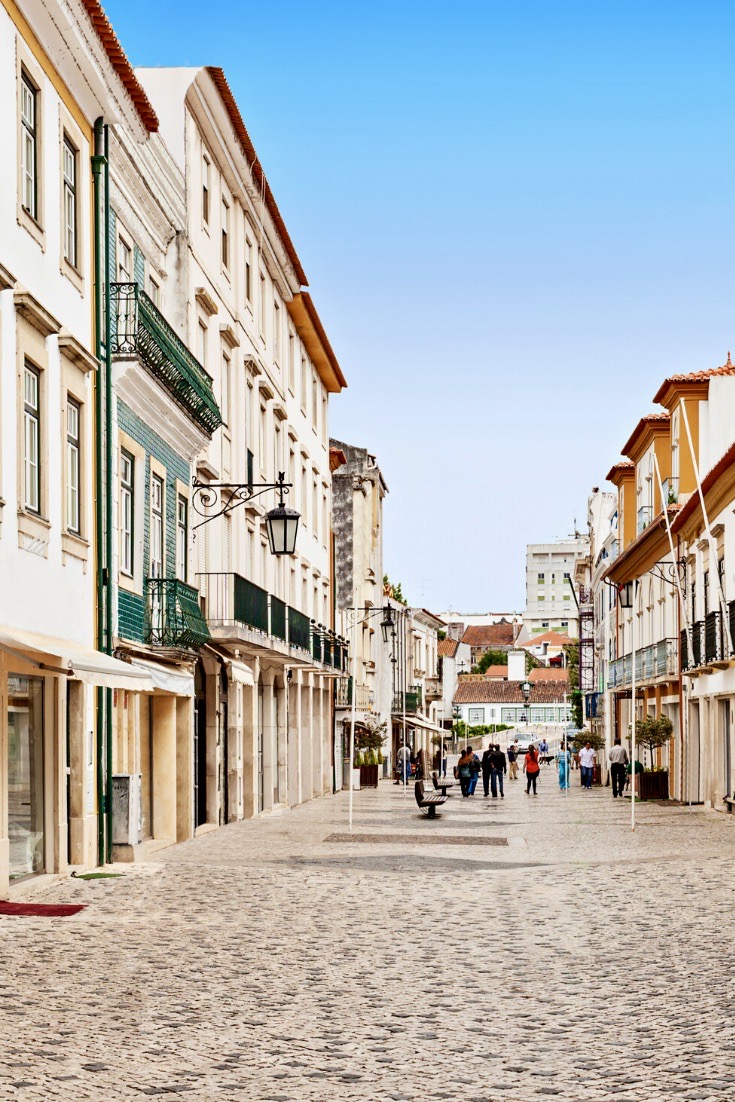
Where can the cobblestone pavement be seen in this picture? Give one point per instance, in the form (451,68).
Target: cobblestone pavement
(262,962)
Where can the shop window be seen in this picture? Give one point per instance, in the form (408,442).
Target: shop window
(25,776)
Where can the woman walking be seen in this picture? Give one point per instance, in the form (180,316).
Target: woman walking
(563,762)
(531,769)
(464,770)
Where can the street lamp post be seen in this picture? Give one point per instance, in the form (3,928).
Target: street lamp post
(526,690)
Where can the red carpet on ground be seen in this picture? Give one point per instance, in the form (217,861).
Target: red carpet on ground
(40,910)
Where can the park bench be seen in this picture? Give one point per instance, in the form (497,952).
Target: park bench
(429,802)
(441,784)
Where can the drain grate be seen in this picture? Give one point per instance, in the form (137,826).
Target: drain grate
(418,839)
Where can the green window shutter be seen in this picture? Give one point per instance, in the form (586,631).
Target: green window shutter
(138,267)
(112,248)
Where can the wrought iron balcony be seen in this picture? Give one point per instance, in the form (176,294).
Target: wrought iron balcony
(659,660)
(670,488)
(645,516)
(173,615)
(137,327)
(714,638)
(232,600)
(363,696)
(412,701)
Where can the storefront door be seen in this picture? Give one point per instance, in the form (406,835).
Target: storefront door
(25,775)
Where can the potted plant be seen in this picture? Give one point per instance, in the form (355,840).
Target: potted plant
(653,732)
(597,742)
(369,739)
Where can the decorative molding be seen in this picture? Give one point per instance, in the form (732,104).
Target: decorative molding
(229,335)
(206,301)
(264,386)
(7,279)
(251,361)
(717,530)
(70,347)
(205,468)
(154,405)
(33,534)
(279,411)
(34,313)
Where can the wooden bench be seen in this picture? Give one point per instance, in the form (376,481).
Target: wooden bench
(429,802)
(441,784)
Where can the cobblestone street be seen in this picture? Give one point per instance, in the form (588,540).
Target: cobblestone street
(263,961)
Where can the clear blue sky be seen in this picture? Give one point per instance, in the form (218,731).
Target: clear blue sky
(516,218)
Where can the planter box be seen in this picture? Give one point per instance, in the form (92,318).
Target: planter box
(653,786)
(369,776)
(596,775)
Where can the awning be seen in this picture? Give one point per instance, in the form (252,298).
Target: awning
(59,656)
(425,724)
(166,678)
(241,673)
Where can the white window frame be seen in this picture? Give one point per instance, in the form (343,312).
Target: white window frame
(70,174)
(73,465)
(225,248)
(31,438)
(206,190)
(158,526)
(127,512)
(182,536)
(29,96)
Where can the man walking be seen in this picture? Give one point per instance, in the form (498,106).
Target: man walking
(486,769)
(498,769)
(543,751)
(476,767)
(403,760)
(618,758)
(587,758)
(512,762)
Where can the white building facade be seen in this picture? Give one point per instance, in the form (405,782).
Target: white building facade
(550,604)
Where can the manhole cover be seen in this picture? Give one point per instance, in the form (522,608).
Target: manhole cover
(419,839)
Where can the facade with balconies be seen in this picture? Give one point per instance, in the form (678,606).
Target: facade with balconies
(264,682)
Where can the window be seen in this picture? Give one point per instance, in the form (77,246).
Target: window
(205,190)
(315,507)
(29,146)
(544,623)
(303,382)
(202,343)
(276,332)
(567,577)
(541,597)
(262,305)
(261,439)
(476,715)
(124,262)
(314,401)
(225,395)
(324,418)
(248,269)
(540,579)
(127,470)
(73,418)
(69,154)
(182,532)
(32,439)
(225,234)
(156,527)
(291,360)
(154,291)
(705,595)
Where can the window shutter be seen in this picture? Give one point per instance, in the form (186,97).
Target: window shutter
(112,248)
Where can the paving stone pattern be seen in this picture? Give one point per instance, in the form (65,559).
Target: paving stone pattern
(263,962)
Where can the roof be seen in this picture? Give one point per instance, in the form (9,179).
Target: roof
(650,420)
(447,648)
(121,65)
(337,459)
(508,692)
(553,638)
(623,467)
(547,673)
(311,331)
(728,368)
(489,635)
(220,82)
(694,502)
(498,672)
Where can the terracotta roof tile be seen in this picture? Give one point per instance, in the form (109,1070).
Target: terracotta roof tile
(648,419)
(507,692)
(121,65)
(553,638)
(489,635)
(549,673)
(728,368)
(496,672)
(447,648)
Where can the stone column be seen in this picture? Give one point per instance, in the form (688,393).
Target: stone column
(269,732)
(184,768)
(249,746)
(306,742)
(235,749)
(165,795)
(282,740)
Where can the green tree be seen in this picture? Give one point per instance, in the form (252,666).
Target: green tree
(653,732)
(490,658)
(394,591)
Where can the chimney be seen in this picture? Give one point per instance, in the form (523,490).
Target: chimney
(516,665)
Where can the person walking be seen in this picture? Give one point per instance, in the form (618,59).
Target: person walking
(587,758)
(531,769)
(487,766)
(563,762)
(476,768)
(443,760)
(512,762)
(543,750)
(403,760)
(421,773)
(464,770)
(498,769)
(618,758)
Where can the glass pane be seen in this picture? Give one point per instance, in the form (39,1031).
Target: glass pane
(25,775)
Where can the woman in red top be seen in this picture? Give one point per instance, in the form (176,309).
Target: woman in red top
(531,769)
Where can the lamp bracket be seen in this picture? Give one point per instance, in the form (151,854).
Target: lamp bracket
(216,499)
(668,571)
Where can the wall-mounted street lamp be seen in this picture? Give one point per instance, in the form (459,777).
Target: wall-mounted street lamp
(218,499)
(526,690)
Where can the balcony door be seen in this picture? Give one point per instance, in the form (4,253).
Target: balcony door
(157,558)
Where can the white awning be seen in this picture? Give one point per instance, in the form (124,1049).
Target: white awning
(241,673)
(59,656)
(166,678)
(426,724)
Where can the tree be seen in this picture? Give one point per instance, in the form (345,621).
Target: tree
(490,658)
(394,591)
(653,733)
(575,696)
(583,737)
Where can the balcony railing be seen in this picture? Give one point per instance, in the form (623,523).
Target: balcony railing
(433,687)
(714,641)
(232,599)
(651,663)
(137,326)
(343,698)
(709,641)
(670,487)
(173,615)
(412,698)
(645,516)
